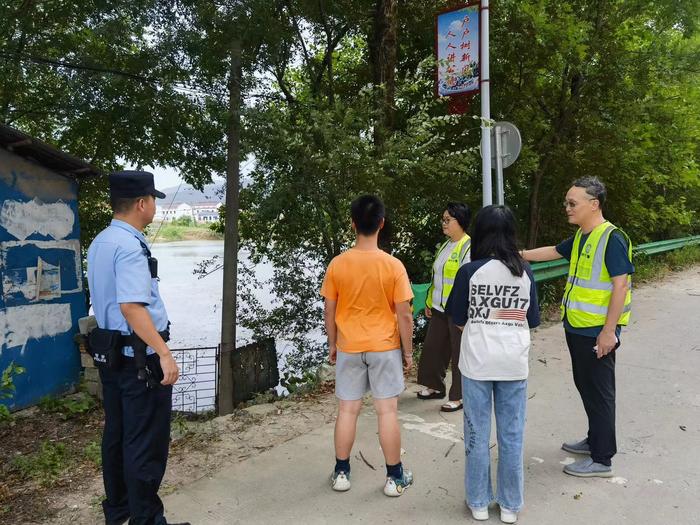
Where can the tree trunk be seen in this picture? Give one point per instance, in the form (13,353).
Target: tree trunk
(228,313)
(383,55)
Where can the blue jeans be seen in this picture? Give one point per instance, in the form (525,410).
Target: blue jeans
(509,399)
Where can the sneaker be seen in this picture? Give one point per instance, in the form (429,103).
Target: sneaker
(394,487)
(580,447)
(480,513)
(587,468)
(508,516)
(340,481)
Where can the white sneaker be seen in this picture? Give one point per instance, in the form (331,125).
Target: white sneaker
(394,487)
(480,514)
(508,516)
(340,481)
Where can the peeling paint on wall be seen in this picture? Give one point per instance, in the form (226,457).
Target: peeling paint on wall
(20,281)
(19,324)
(22,219)
(18,275)
(41,277)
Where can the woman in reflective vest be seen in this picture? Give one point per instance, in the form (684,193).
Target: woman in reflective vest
(442,342)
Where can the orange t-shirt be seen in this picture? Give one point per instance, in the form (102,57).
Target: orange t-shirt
(366,285)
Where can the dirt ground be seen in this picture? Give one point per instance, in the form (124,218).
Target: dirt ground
(30,492)
(198,449)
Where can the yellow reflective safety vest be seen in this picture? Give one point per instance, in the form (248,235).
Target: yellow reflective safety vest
(589,286)
(449,270)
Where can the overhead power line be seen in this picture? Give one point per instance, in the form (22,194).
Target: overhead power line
(73,65)
(24,57)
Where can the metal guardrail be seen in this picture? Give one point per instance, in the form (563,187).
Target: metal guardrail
(546,271)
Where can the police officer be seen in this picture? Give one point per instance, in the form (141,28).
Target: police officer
(597,302)
(125,298)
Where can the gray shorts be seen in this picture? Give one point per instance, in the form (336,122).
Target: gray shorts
(358,373)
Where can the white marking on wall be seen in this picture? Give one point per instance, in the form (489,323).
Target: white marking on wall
(22,219)
(72,245)
(658,481)
(20,324)
(537,460)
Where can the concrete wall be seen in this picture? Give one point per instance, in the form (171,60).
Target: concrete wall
(41,273)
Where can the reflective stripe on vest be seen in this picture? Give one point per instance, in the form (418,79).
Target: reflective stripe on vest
(449,269)
(589,286)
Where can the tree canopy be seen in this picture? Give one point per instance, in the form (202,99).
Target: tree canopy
(339,101)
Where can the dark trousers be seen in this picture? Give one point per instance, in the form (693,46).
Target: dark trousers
(441,347)
(134,444)
(595,381)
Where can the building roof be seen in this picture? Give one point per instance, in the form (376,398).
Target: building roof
(172,205)
(41,153)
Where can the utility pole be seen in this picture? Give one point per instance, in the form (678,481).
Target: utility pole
(233,182)
(485,106)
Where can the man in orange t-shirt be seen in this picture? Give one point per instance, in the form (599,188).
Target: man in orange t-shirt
(368,321)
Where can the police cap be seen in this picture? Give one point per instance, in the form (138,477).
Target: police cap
(130,184)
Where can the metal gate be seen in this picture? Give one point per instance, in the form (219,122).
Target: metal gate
(196,389)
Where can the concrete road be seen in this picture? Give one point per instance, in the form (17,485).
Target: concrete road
(657,469)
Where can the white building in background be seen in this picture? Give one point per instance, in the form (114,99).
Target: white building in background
(169,212)
(206,211)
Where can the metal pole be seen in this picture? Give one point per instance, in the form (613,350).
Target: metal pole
(499,166)
(228,310)
(485,106)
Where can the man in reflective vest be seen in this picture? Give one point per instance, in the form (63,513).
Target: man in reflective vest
(597,302)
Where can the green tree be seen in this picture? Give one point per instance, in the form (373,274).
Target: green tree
(94,79)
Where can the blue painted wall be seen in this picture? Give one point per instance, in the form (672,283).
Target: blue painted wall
(39,235)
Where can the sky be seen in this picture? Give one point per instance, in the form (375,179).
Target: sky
(167,177)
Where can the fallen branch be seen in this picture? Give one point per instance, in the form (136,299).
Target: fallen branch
(366,462)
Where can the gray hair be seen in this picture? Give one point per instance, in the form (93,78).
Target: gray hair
(594,187)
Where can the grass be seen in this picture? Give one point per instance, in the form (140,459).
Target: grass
(93,453)
(654,267)
(170,232)
(44,465)
(68,407)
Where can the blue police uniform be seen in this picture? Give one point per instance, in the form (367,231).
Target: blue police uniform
(118,273)
(137,418)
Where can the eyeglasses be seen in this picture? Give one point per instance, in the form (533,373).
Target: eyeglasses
(447,220)
(573,204)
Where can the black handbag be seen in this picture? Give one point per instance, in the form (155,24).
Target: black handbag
(105,347)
